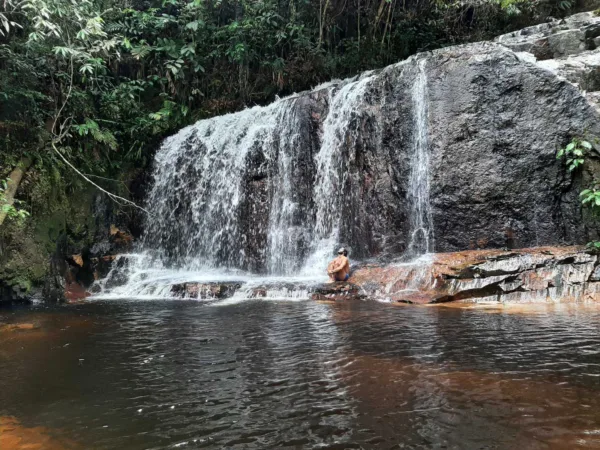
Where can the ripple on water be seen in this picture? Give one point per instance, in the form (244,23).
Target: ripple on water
(306,375)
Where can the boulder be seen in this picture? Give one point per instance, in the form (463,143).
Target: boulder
(557,38)
(339,291)
(205,291)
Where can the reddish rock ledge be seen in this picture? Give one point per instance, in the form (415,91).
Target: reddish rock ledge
(566,274)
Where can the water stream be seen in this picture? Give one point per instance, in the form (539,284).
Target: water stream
(421,222)
(415,268)
(332,171)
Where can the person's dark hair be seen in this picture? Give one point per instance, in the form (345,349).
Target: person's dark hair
(345,252)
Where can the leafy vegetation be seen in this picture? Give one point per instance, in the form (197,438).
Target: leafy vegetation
(575,153)
(14,212)
(98,83)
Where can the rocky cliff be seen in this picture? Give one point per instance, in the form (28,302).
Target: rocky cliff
(267,189)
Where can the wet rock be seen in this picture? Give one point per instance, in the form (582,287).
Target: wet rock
(495,180)
(121,240)
(18,327)
(55,282)
(595,276)
(528,275)
(205,290)
(101,266)
(69,279)
(555,39)
(337,292)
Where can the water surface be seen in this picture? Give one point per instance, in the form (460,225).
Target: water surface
(258,375)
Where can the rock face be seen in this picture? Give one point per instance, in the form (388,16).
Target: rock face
(565,274)
(496,123)
(455,149)
(568,48)
(556,39)
(262,189)
(202,291)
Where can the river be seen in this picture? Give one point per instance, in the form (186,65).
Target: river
(298,374)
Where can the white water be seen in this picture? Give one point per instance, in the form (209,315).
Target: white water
(137,276)
(421,222)
(249,165)
(287,233)
(198,187)
(340,127)
(421,244)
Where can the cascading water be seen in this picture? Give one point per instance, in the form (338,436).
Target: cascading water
(247,164)
(421,243)
(245,194)
(332,170)
(421,222)
(199,188)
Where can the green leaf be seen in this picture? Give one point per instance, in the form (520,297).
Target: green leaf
(586,144)
(86,68)
(570,147)
(193,25)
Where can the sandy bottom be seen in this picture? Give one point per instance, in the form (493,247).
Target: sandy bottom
(15,436)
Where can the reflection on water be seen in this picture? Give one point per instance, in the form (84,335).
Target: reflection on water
(153,375)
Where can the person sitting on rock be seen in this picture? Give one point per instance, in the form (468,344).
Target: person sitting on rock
(339,268)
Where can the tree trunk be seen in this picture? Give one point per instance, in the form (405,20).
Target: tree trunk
(14,179)
(322,19)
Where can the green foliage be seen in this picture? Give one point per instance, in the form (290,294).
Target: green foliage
(12,212)
(594,245)
(591,197)
(92,129)
(574,153)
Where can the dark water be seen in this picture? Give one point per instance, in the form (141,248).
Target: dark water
(258,375)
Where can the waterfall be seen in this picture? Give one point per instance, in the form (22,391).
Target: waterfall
(289,230)
(416,273)
(421,222)
(210,176)
(341,128)
(198,189)
(268,189)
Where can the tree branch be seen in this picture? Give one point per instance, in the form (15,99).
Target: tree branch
(58,137)
(119,200)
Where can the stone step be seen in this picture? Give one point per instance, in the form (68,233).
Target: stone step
(559,38)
